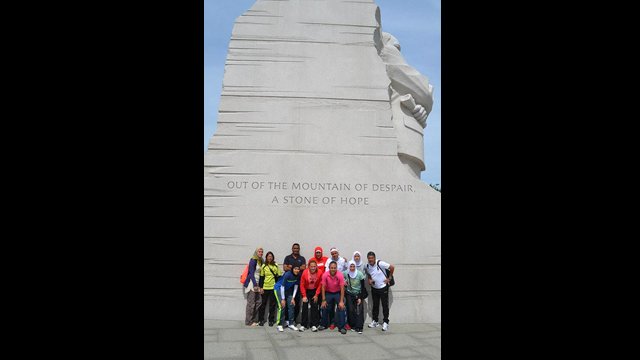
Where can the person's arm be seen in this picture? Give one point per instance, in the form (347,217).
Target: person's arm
(366,266)
(324,296)
(262,272)
(303,287)
(251,274)
(391,270)
(286,264)
(295,291)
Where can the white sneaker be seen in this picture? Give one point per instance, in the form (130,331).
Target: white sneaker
(373,324)
(314,329)
(385,326)
(280,328)
(301,328)
(293,327)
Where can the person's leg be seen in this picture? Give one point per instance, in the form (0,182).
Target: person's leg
(272,308)
(385,305)
(247,310)
(376,305)
(298,306)
(360,315)
(340,317)
(263,305)
(315,311)
(304,318)
(279,314)
(290,309)
(325,314)
(256,307)
(351,309)
(332,315)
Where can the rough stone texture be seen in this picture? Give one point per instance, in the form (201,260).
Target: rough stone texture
(305,100)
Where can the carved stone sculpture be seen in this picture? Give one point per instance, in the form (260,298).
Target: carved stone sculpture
(411,98)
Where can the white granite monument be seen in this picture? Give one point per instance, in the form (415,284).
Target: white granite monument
(319,142)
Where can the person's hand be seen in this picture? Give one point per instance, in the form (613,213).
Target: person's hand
(293,301)
(370,281)
(261,291)
(386,280)
(324,304)
(341,305)
(283,303)
(359,301)
(304,300)
(420,114)
(315,299)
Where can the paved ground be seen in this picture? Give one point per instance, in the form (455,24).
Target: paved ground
(234,340)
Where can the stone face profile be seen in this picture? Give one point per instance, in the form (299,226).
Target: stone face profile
(319,142)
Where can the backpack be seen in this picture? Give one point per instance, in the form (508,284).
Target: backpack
(243,277)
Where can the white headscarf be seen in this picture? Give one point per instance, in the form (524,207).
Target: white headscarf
(355,272)
(358,263)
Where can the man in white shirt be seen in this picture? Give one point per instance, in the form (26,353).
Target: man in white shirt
(340,261)
(379,288)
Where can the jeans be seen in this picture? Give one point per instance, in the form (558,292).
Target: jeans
(332,301)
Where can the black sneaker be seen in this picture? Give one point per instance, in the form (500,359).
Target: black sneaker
(320,328)
(271,323)
(343,331)
(261,323)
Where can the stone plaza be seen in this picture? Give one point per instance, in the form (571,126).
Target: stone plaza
(234,340)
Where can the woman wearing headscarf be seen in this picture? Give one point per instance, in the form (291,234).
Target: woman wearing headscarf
(254,295)
(354,285)
(357,258)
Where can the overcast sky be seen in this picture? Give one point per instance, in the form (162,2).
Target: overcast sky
(415,23)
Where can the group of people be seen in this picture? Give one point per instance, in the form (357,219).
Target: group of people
(330,291)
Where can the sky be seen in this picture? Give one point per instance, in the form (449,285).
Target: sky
(415,23)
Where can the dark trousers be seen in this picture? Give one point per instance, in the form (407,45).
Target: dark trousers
(296,309)
(355,317)
(332,301)
(377,295)
(311,310)
(267,297)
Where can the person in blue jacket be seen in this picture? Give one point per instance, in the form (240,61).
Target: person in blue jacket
(285,291)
